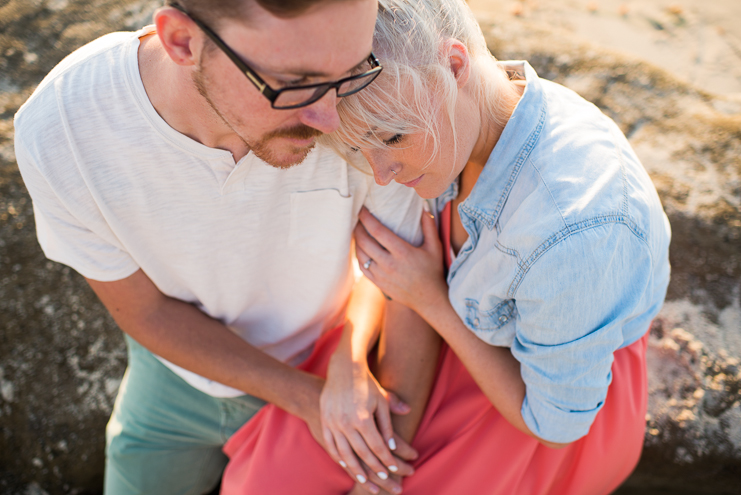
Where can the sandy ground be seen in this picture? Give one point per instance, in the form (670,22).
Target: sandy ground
(697,40)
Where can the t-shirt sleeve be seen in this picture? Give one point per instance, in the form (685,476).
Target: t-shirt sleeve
(571,307)
(397,207)
(69,226)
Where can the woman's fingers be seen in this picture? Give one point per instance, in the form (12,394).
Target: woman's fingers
(349,461)
(390,485)
(380,444)
(429,230)
(404,453)
(396,405)
(331,448)
(368,244)
(364,447)
(385,237)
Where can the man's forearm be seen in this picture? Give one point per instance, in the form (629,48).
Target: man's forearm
(185,336)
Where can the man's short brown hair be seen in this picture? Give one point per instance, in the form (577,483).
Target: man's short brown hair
(211,11)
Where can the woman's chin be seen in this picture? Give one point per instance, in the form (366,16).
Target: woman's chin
(425,192)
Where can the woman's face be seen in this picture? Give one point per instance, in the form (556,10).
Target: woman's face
(410,159)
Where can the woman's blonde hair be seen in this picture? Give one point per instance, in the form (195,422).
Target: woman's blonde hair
(416,83)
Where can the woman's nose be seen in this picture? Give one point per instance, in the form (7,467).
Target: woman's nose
(382,170)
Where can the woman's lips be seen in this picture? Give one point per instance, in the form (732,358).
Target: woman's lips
(414,182)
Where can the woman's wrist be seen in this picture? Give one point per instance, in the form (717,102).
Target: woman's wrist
(346,362)
(430,305)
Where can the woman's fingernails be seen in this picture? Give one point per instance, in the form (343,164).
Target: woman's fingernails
(361,479)
(426,208)
(393,469)
(342,463)
(382,475)
(392,444)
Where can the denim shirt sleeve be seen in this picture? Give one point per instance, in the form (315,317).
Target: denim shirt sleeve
(572,305)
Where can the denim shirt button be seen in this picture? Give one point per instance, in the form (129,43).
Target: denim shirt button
(503,319)
(476,322)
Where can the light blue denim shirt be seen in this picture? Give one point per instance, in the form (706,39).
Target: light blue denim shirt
(567,257)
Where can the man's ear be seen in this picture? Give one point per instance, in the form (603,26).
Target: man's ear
(179,35)
(459,60)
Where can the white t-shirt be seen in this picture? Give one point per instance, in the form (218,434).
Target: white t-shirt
(115,189)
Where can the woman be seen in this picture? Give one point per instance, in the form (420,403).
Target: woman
(556,249)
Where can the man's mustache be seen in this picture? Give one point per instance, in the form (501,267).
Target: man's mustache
(298,132)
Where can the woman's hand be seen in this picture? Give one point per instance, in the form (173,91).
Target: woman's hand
(410,275)
(356,425)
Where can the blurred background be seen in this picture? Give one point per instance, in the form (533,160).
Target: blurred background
(668,72)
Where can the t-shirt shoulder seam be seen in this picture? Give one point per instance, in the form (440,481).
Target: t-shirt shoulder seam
(49,82)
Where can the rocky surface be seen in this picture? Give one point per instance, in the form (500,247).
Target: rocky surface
(61,356)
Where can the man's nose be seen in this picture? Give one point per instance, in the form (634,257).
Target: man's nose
(322,114)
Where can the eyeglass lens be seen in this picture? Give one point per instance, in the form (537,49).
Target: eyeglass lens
(291,97)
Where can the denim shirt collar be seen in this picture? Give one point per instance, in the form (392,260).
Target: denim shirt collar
(486,200)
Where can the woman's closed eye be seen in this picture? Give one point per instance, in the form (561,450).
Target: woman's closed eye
(396,138)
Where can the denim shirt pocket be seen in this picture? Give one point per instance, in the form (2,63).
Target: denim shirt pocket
(492,319)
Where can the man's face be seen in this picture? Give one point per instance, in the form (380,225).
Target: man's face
(324,44)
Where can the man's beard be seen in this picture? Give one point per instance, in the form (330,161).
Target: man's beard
(262,148)
(263,151)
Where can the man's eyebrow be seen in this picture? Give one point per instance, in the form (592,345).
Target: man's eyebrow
(323,74)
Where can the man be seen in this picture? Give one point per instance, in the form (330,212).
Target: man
(163,166)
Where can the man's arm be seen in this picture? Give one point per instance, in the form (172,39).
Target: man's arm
(187,337)
(182,334)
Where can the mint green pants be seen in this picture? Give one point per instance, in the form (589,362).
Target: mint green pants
(164,436)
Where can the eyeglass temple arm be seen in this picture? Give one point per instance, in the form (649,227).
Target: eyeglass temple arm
(251,75)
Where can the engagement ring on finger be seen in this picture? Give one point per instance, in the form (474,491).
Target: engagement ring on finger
(367,264)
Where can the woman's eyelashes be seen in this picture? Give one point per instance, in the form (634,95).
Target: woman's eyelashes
(393,139)
(396,138)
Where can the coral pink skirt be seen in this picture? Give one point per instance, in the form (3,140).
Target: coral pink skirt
(465,445)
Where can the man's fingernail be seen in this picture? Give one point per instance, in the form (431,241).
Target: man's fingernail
(361,479)
(392,444)
(393,469)
(342,463)
(382,475)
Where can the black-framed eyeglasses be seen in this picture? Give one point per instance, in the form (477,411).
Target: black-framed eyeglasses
(294,96)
